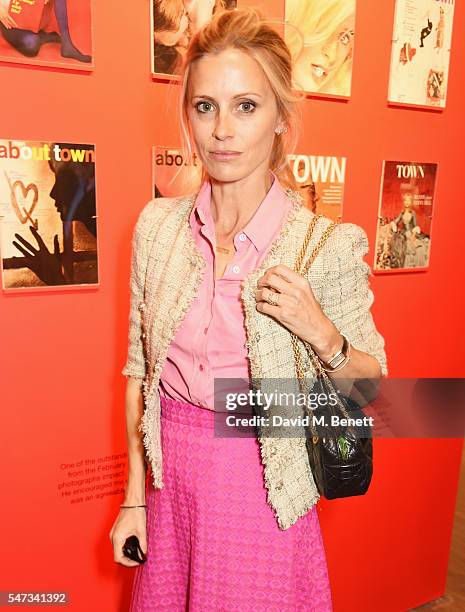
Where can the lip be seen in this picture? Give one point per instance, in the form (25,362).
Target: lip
(224,156)
(319,72)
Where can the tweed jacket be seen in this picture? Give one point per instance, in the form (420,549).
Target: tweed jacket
(166,271)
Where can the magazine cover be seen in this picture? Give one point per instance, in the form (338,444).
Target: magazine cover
(48,221)
(421,52)
(403,236)
(173,24)
(172,175)
(320,35)
(321,181)
(47,32)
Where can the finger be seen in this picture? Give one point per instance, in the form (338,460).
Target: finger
(262,295)
(276,282)
(37,236)
(56,245)
(269,309)
(280,272)
(20,248)
(120,557)
(143,542)
(127,562)
(26,243)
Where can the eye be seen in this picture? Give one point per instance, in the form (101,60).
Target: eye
(345,37)
(203,104)
(251,106)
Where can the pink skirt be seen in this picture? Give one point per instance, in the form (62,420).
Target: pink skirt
(213,542)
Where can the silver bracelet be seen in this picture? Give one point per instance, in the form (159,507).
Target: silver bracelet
(345,360)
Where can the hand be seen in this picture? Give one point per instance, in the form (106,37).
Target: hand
(5,17)
(46,265)
(297,309)
(130,521)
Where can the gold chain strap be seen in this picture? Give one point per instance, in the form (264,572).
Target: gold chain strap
(303,271)
(295,341)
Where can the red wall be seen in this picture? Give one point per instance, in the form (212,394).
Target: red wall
(62,393)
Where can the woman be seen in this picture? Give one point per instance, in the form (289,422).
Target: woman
(320,35)
(231,523)
(403,226)
(29,43)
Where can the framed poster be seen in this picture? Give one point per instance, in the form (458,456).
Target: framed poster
(47,33)
(48,221)
(173,25)
(321,180)
(420,54)
(172,176)
(403,236)
(321,35)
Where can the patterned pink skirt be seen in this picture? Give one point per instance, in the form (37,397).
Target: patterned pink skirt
(213,541)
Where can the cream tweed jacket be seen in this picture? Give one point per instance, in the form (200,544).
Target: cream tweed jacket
(166,271)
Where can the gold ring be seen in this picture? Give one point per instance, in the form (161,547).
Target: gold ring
(273,298)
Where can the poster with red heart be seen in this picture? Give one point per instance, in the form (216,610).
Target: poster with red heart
(47,33)
(48,220)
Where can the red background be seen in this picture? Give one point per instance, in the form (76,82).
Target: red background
(62,392)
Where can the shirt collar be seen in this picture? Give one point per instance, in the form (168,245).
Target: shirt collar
(264,223)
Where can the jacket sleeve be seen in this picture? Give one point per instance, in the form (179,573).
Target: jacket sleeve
(345,295)
(135,364)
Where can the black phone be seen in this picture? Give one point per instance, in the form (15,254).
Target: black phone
(132,550)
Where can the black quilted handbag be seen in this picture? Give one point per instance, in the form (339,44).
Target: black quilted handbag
(340,456)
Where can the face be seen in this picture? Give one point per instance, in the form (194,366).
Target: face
(200,12)
(232,115)
(317,65)
(407,199)
(74,200)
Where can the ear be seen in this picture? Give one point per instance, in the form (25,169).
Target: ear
(281,128)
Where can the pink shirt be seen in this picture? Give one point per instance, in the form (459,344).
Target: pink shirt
(210,343)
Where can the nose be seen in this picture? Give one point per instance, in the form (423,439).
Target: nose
(223,126)
(330,50)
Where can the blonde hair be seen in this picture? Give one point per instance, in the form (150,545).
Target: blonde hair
(312,23)
(246,30)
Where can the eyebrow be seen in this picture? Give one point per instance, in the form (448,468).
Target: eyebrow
(242,95)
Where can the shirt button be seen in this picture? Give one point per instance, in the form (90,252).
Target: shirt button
(205,330)
(236,269)
(242,237)
(201,367)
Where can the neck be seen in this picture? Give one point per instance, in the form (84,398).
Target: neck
(234,204)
